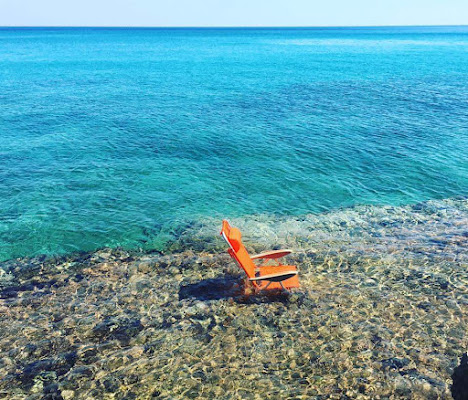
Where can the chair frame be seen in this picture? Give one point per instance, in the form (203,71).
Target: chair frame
(254,271)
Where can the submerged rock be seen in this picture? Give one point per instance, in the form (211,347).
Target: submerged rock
(395,363)
(58,366)
(121,328)
(52,392)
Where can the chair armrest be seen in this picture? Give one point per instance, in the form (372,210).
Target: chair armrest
(274,254)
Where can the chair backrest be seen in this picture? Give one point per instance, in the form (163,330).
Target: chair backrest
(237,250)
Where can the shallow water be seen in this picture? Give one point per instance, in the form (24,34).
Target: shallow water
(381,314)
(118,137)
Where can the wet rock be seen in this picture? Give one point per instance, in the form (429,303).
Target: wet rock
(68,394)
(395,363)
(77,375)
(78,277)
(41,348)
(31,269)
(145,266)
(88,355)
(143,284)
(402,386)
(153,347)
(14,291)
(425,305)
(81,372)
(52,392)
(460,380)
(8,293)
(111,384)
(122,329)
(128,396)
(59,365)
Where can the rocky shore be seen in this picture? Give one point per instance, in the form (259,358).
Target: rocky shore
(382,314)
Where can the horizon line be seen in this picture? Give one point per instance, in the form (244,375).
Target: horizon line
(231,26)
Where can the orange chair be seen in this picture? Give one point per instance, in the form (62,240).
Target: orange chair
(261,276)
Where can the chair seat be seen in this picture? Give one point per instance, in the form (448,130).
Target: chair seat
(286,274)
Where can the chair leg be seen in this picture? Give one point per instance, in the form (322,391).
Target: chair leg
(269,283)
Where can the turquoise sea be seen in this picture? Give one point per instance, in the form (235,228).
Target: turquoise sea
(347,145)
(127,137)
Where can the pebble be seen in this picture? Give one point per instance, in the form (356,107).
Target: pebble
(68,394)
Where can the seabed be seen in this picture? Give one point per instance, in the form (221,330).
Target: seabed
(382,313)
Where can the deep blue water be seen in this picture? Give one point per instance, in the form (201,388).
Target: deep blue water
(122,136)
